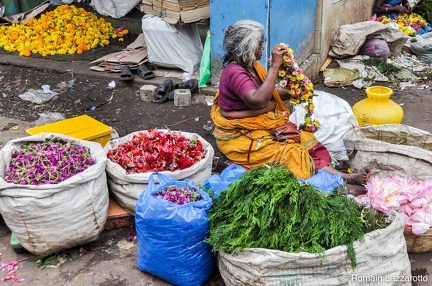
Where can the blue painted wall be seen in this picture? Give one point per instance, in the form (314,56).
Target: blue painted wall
(288,21)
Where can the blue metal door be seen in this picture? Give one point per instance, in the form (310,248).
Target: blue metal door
(293,22)
(288,21)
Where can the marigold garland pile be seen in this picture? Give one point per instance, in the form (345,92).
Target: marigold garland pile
(410,24)
(66,30)
(299,86)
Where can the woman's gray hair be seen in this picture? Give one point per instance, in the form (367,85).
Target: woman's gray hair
(241,41)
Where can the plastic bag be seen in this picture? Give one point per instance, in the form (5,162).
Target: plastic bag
(326,182)
(422,47)
(336,117)
(38,96)
(205,65)
(221,182)
(48,117)
(375,47)
(171,236)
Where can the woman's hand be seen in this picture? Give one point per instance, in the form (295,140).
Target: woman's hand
(277,53)
(258,99)
(402,9)
(407,6)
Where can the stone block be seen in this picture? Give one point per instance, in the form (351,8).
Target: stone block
(147,91)
(182,97)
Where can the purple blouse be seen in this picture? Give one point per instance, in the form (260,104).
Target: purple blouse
(235,82)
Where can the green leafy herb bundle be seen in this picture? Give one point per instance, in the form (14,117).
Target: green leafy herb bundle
(268,208)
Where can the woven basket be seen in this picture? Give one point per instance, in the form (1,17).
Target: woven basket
(418,244)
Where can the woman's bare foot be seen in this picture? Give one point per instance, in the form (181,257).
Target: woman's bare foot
(360,178)
(356,190)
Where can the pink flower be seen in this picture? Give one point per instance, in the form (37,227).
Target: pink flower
(420,221)
(410,197)
(420,228)
(384,194)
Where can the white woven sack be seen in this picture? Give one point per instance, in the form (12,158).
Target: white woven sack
(391,150)
(126,188)
(53,217)
(382,256)
(114,8)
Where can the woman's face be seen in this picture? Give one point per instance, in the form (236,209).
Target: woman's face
(258,53)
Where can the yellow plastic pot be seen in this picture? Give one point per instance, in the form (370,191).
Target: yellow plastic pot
(378,108)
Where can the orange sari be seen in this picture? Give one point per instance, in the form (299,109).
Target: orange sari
(247,141)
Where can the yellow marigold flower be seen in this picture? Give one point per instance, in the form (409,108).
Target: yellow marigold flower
(25,53)
(282,73)
(66,24)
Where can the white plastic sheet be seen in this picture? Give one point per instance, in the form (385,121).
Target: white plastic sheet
(172,46)
(336,119)
(114,8)
(422,47)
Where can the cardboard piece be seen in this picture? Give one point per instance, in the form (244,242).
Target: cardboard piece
(124,57)
(138,43)
(114,67)
(177,11)
(24,16)
(134,55)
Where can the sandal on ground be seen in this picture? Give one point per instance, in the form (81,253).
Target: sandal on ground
(170,95)
(191,84)
(145,71)
(163,90)
(126,73)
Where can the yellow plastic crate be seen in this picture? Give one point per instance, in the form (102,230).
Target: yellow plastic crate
(81,127)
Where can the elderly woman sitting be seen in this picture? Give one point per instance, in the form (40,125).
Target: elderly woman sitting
(247,107)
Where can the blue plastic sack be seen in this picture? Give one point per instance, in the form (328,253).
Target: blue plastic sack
(326,182)
(221,182)
(171,236)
